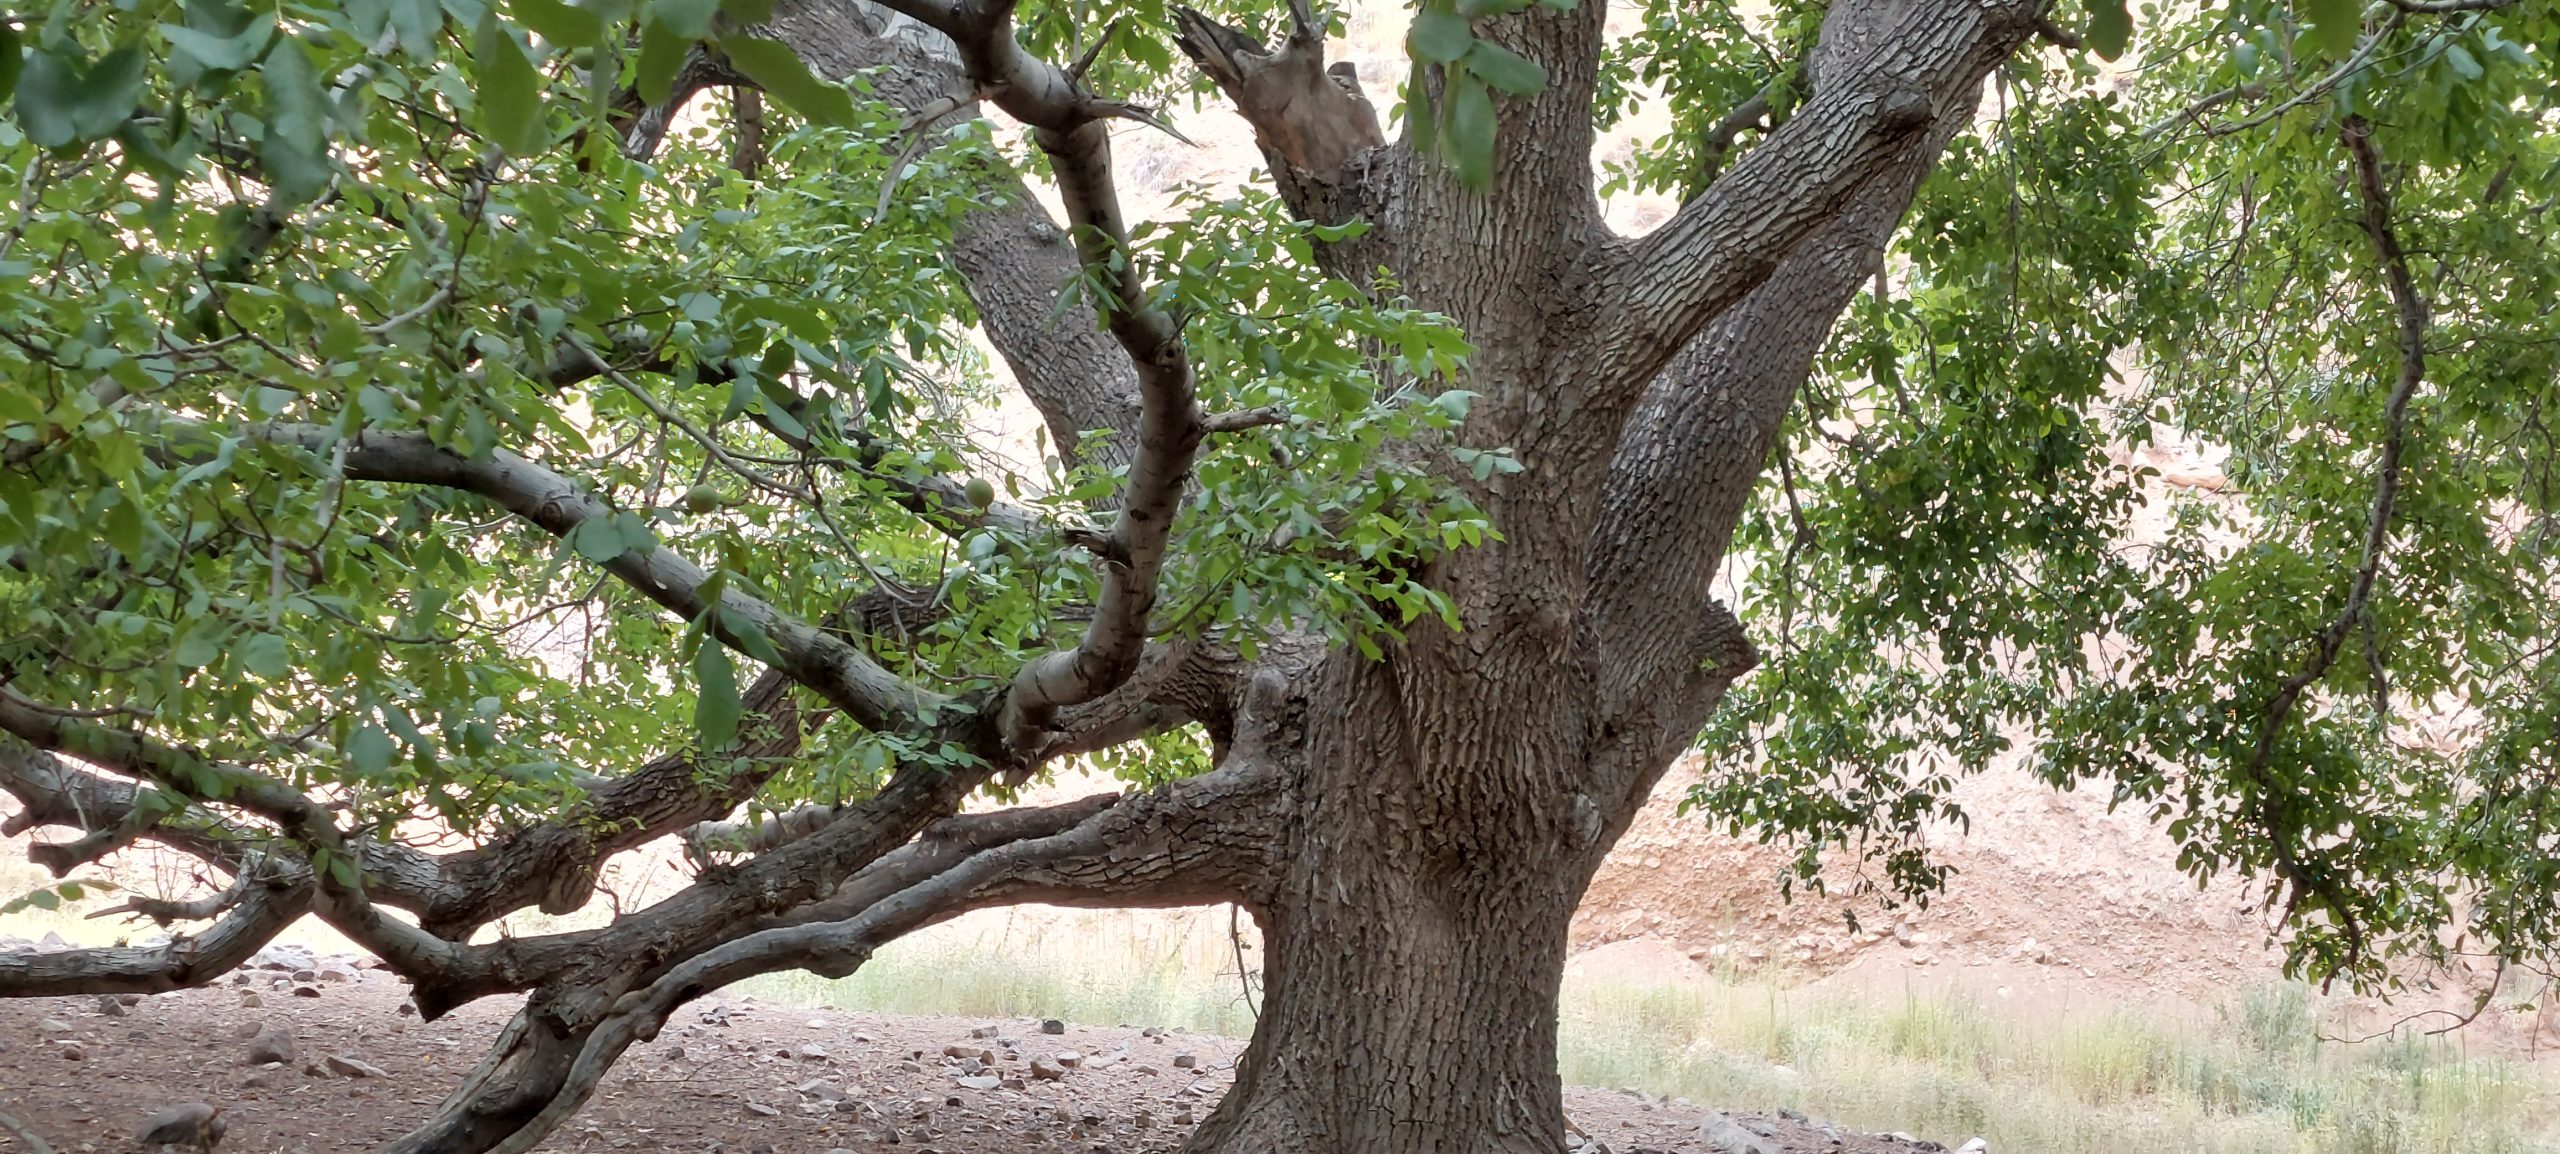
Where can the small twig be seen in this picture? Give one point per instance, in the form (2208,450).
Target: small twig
(25,1136)
(1084,63)
(914,134)
(1242,419)
(1121,110)
(2056,34)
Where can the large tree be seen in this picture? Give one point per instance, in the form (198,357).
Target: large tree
(448,446)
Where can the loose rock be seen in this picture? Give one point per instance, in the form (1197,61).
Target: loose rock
(271,1043)
(1725,1136)
(1052,1026)
(345,1066)
(1186,1061)
(1046,1070)
(761,1110)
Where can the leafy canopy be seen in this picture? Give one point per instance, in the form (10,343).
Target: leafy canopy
(400,216)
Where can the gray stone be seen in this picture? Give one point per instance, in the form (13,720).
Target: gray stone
(980,1082)
(761,1110)
(271,1043)
(72,1051)
(306,991)
(250,1000)
(54,1026)
(1067,1058)
(1725,1136)
(1046,1070)
(1053,1026)
(1186,1061)
(108,1005)
(983,1032)
(345,1066)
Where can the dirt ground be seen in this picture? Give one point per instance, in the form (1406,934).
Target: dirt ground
(731,1076)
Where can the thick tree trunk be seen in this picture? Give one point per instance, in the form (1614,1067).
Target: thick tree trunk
(1402,1018)
(1413,950)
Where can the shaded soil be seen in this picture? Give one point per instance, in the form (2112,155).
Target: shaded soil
(729,1076)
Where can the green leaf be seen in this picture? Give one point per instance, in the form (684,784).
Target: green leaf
(1471,124)
(2110,28)
(201,644)
(716,707)
(219,53)
(2464,64)
(598,539)
(747,12)
(2337,23)
(296,149)
(1504,69)
(369,750)
(63,100)
(560,23)
(690,19)
(266,656)
(661,54)
(1440,37)
(778,70)
(510,92)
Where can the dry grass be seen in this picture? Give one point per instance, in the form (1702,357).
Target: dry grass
(2254,1078)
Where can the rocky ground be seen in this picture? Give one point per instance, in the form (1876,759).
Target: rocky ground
(316,1055)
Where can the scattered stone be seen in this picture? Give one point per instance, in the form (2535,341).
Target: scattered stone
(983,1032)
(1052,1026)
(980,1082)
(108,1005)
(334,974)
(761,1110)
(345,1066)
(249,1000)
(54,1026)
(52,941)
(271,1043)
(194,1124)
(1186,1061)
(1152,1032)
(408,1009)
(306,974)
(955,1050)
(72,1052)
(813,1052)
(1046,1070)
(1145,1071)
(1067,1058)
(306,991)
(1723,1135)
(822,1090)
(1016,1085)
(278,956)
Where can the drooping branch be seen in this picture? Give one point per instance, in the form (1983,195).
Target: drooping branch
(1071,125)
(869,694)
(1142,849)
(264,909)
(1885,75)
(2305,879)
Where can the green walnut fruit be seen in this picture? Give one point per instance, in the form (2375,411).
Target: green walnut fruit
(981,493)
(703,499)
